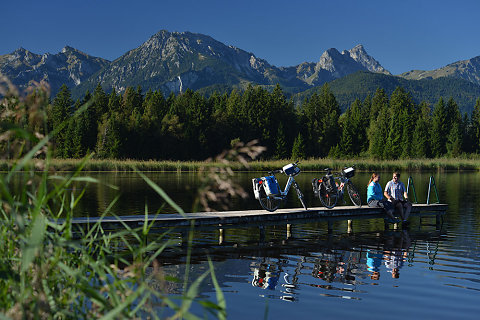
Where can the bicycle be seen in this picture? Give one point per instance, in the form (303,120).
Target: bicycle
(267,190)
(329,191)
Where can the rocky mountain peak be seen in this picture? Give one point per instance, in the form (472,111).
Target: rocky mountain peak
(20,50)
(68,49)
(338,64)
(360,55)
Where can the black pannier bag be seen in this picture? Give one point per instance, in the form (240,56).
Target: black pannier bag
(316,185)
(329,183)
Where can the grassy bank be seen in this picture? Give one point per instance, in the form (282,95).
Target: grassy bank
(439,164)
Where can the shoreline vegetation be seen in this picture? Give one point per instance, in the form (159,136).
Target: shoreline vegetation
(115,165)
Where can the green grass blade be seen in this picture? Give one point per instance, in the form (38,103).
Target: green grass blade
(220,297)
(160,192)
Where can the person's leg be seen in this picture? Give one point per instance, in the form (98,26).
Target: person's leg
(407,206)
(398,208)
(389,209)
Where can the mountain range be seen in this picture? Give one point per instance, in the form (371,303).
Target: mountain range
(175,61)
(70,67)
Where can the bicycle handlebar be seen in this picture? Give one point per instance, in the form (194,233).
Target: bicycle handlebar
(275,171)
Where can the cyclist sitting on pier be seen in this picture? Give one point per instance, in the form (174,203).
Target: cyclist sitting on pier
(375,197)
(396,193)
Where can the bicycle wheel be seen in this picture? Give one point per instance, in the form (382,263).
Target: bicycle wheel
(268,203)
(328,199)
(353,194)
(300,196)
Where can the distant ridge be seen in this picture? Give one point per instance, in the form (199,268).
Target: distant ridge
(361,84)
(466,69)
(70,67)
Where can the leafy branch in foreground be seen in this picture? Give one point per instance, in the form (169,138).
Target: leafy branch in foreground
(218,187)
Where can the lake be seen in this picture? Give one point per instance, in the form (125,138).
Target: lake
(424,272)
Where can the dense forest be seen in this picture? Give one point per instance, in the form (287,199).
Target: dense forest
(190,126)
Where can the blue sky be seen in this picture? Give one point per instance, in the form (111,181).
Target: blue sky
(401,35)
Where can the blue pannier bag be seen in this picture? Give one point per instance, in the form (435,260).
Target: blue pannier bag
(271,185)
(257,184)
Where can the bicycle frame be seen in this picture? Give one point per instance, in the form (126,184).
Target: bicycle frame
(341,187)
(284,193)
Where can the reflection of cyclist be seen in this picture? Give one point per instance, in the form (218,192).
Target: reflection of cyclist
(394,261)
(374,261)
(265,277)
(326,268)
(395,258)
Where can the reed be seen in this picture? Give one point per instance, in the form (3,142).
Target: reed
(362,164)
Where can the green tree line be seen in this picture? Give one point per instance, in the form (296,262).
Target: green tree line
(190,126)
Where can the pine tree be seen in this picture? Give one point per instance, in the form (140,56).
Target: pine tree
(78,139)
(421,134)
(400,126)
(475,127)
(100,101)
(281,145)
(114,102)
(109,137)
(378,128)
(61,111)
(353,130)
(379,102)
(320,115)
(298,149)
(69,143)
(439,129)
(455,134)
(454,141)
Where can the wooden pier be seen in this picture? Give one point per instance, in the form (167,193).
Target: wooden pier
(232,219)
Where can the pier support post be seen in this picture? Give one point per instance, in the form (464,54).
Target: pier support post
(184,238)
(262,233)
(221,235)
(289,230)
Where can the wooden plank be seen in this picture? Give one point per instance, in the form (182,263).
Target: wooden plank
(255,216)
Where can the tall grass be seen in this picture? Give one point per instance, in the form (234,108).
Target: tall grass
(47,272)
(437,164)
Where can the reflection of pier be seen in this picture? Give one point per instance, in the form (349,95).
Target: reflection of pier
(335,264)
(235,219)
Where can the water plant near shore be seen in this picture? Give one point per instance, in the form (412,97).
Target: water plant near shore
(471,163)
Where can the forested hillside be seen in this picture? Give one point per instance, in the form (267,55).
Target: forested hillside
(138,125)
(361,84)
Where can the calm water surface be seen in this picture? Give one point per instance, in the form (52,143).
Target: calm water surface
(425,272)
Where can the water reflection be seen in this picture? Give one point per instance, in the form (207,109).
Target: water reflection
(341,265)
(344,263)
